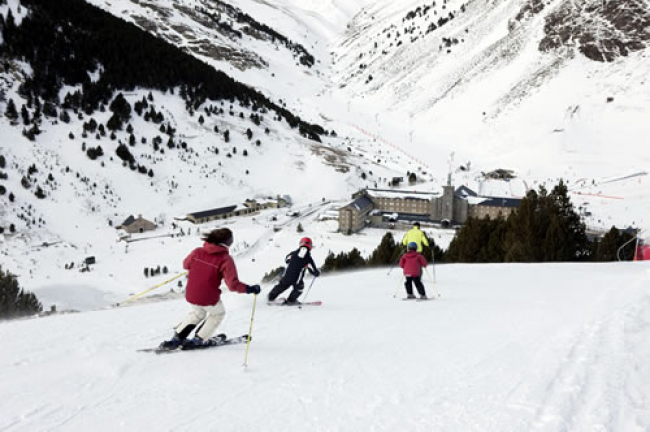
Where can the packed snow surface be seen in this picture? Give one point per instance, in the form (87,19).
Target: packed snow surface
(538,347)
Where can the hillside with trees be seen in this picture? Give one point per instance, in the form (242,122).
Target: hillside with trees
(71,43)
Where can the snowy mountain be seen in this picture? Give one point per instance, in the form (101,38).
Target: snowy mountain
(506,347)
(548,89)
(208,103)
(511,84)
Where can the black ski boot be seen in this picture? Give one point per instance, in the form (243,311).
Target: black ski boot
(172,344)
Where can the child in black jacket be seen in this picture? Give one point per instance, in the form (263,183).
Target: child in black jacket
(297,262)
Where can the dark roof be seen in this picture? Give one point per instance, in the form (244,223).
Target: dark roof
(213,212)
(128,221)
(362,203)
(501,202)
(401,192)
(464,192)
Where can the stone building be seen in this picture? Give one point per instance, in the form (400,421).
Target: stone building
(352,217)
(134,225)
(480,207)
(452,208)
(217,213)
(400,209)
(248,207)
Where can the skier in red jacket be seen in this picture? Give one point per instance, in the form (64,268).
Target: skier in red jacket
(207,266)
(413,262)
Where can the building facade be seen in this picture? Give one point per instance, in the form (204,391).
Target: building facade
(353,216)
(395,208)
(134,225)
(249,206)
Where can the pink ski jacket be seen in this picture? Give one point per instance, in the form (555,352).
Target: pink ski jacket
(207,266)
(412,263)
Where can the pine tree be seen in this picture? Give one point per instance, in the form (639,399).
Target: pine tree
(25,115)
(573,229)
(11,112)
(383,254)
(329,264)
(355,260)
(519,252)
(15,302)
(554,244)
(268,277)
(608,246)
(412,178)
(523,235)
(64,116)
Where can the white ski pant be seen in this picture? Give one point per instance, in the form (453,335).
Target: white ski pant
(213,315)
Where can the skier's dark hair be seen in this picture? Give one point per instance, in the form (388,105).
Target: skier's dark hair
(219,236)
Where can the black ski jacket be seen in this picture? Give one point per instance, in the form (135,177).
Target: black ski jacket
(297,262)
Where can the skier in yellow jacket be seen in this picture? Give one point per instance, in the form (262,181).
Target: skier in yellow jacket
(417,236)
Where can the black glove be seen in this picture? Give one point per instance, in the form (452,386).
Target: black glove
(316,273)
(253,289)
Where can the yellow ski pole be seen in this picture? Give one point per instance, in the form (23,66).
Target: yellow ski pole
(250,331)
(152,288)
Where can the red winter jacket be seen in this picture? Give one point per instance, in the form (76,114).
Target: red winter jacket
(412,263)
(207,266)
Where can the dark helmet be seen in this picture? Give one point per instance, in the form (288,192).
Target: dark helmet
(306,241)
(412,246)
(416,224)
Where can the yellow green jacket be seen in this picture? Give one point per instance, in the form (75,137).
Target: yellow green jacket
(417,236)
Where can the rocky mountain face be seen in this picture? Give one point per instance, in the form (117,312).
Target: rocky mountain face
(215,30)
(602,30)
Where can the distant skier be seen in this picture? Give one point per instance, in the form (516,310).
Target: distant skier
(297,262)
(208,266)
(417,236)
(413,262)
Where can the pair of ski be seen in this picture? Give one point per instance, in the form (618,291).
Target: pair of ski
(418,299)
(282,302)
(213,342)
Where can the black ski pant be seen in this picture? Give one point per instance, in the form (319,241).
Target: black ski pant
(410,280)
(282,287)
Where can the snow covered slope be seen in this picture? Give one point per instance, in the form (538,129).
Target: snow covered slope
(511,84)
(471,95)
(506,348)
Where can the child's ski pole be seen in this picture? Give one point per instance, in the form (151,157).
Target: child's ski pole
(396,262)
(308,289)
(401,281)
(435,285)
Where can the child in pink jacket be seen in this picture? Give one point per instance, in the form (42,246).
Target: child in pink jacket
(413,262)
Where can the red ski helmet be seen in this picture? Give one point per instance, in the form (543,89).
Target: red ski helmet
(306,241)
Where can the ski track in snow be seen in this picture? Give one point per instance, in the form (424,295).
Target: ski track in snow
(506,348)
